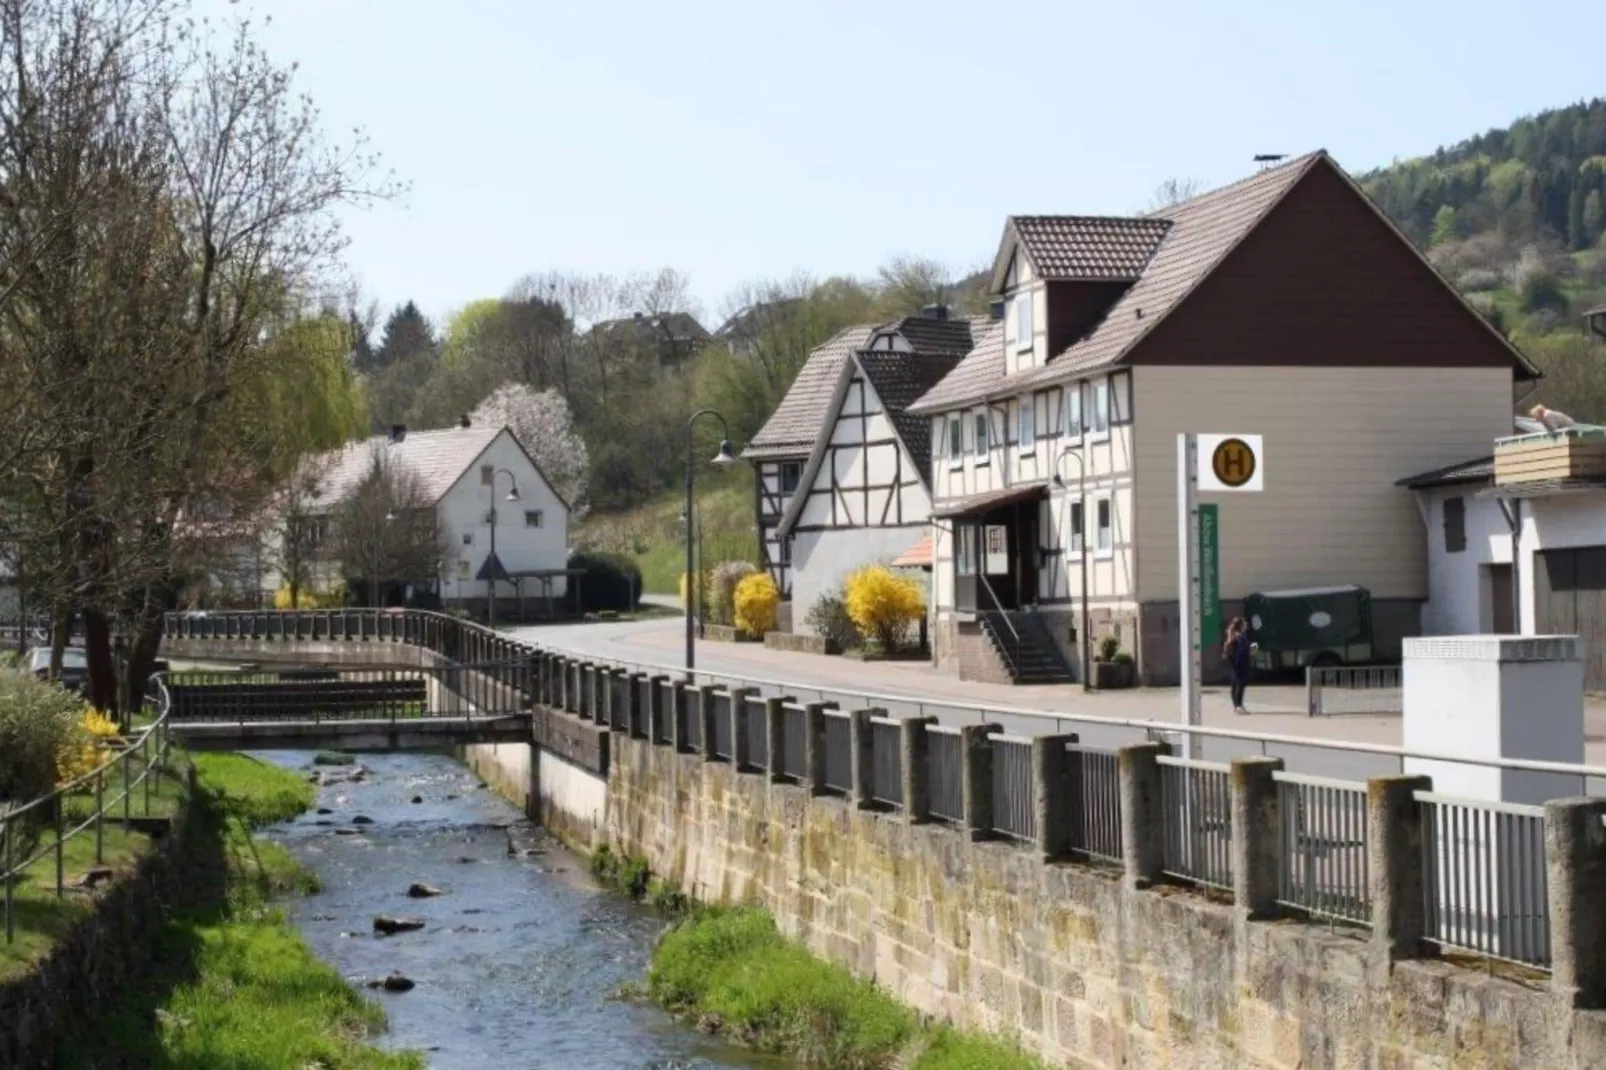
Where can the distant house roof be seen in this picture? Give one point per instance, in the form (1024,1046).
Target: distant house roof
(802,416)
(1105,248)
(756,317)
(435,458)
(651,328)
(1186,243)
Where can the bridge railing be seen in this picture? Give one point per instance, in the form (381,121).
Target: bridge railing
(1493,879)
(128,780)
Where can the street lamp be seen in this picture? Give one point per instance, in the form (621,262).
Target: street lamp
(490,579)
(1081,497)
(722,458)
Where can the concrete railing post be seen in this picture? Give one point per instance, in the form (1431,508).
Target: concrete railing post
(1256,829)
(681,698)
(861,741)
(1575,864)
(1395,835)
(1051,797)
(775,737)
(814,746)
(976,758)
(706,718)
(1142,817)
(741,745)
(916,768)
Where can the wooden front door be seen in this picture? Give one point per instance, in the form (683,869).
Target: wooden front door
(1570,599)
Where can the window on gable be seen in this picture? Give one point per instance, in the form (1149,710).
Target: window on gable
(533,518)
(1023,321)
(983,439)
(956,439)
(1101,406)
(1026,422)
(487,474)
(790,472)
(1455,525)
(468,538)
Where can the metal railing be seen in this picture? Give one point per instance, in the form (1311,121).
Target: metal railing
(1324,867)
(1196,821)
(794,743)
(838,741)
(1014,809)
(149,750)
(1095,802)
(721,741)
(945,773)
(753,746)
(886,761)
(1485,881)
(462,691)
(1330,691)
(453,637)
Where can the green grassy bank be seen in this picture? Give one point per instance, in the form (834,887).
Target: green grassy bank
(733,973)
(234,987)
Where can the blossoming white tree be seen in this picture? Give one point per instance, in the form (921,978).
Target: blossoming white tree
(541,421)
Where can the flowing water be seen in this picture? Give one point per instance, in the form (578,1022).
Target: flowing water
(520,958)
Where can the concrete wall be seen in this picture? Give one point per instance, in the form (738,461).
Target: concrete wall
(1459,597)
(1085,971)
(822,559)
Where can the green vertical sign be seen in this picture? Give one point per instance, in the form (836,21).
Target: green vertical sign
(1209,577)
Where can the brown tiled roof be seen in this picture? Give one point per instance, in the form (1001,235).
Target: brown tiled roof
(900,379)
(1200,234)
(803,413)
(1105,248)
(981,371)
(800,417)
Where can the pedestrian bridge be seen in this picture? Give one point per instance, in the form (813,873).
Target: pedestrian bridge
(367,708)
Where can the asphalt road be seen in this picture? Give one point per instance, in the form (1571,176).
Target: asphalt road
(917,688)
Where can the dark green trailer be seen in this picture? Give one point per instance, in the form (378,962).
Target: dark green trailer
(1308,626)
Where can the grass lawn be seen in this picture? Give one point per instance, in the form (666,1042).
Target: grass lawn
(233,986)
(735,972)
(654,535)
(39,916)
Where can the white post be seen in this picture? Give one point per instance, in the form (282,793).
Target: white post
(1188,587)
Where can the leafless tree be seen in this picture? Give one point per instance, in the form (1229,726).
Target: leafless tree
(1173,191)
(294,535)
(388,530)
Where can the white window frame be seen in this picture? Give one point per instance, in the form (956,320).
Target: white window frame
(1101,389)
(1104,534)
(956,457)
(538,515)
(1075,526)
(981,428)
(1074,428)
(1026,423)
(1025,328)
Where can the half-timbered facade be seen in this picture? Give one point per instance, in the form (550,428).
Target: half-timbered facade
(1284,305)
(842,469)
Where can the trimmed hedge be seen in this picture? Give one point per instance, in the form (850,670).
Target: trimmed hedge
(611,581)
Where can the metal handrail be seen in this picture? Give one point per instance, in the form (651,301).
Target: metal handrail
(998,606)
(154,735)
(985,712)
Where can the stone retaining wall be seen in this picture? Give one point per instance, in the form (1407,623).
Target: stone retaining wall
(797,644)
(1086,970)
(100,957)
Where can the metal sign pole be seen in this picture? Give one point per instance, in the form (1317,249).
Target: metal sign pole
(1188,585)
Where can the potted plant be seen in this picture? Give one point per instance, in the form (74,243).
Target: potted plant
(1113,667)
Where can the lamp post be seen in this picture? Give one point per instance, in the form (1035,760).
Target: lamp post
(722,458)
(1081,497)
(378,546)
(490,580)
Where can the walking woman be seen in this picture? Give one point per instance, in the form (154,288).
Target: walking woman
(1236,651)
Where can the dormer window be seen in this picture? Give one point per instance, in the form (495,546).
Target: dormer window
(1023,321)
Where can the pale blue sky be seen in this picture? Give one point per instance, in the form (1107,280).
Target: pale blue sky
(745,140)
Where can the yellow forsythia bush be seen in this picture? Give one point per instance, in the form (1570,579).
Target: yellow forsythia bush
(86,748)
(882,604)
(756,599)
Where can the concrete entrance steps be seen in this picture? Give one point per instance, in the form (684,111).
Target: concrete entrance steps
(1024,645)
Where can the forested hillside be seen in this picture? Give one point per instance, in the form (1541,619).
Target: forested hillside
(1515,218)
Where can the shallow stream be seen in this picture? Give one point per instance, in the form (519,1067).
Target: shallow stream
(519,960)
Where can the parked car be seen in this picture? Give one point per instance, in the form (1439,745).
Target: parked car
(74,666)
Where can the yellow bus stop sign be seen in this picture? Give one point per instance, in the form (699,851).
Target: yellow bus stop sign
(1231,463)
